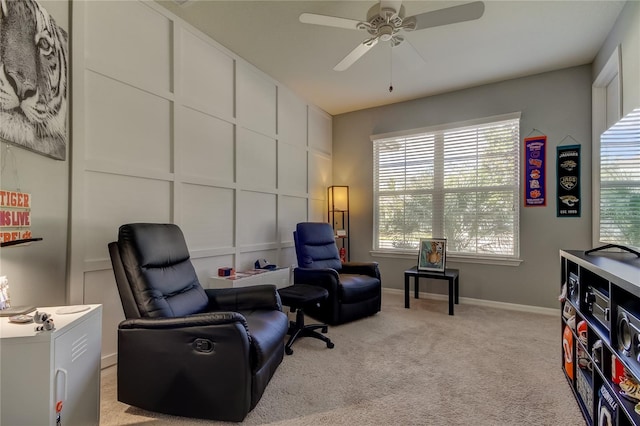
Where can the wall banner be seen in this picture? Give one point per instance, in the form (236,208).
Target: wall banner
(568,175)
(535,193)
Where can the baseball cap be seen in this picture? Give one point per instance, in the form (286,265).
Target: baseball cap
(264,264)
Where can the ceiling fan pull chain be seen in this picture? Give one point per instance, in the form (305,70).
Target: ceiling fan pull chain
(390,70)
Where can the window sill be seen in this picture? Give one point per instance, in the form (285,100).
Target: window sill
(484,260)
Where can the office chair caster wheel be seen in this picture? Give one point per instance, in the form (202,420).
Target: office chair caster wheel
(330,345)
(325,329)
(288,351)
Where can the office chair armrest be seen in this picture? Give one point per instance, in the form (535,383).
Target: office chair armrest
(323,277)
(264,296)
(362,268)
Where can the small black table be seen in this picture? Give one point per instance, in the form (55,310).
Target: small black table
(451,275)
(297,297)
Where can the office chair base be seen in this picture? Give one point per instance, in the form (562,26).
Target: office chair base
(298,329)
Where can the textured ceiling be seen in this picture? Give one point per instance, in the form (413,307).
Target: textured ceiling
(512,39)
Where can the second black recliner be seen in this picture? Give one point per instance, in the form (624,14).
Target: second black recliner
(355,289)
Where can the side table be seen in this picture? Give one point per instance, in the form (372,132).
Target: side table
(281,277)
(451,275)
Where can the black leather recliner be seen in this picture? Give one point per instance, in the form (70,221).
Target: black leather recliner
(184,350)
(355,289)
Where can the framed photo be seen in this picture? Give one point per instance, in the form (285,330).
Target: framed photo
(432,254)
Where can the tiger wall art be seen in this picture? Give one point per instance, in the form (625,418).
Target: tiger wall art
(33,78)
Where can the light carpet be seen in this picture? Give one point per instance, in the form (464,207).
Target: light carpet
(418,366)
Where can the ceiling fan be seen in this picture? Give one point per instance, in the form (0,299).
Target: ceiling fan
(386,20)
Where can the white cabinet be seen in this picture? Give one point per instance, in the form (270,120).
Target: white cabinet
(39,369)
(281,277)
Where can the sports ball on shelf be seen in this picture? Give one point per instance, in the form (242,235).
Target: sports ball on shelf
(567,345)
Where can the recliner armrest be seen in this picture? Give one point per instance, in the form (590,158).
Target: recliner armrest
(196,320)
(362,268)
(323,277)
(263,296)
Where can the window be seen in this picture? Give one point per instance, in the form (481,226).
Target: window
(620,182)
(459,181)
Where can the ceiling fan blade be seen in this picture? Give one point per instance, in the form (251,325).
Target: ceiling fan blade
(391,4)
(329,21)
(356,54)
(449,15)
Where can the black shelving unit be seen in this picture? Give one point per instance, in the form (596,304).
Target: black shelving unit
(603,288)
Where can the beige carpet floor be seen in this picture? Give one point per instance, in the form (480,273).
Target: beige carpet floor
(418,366)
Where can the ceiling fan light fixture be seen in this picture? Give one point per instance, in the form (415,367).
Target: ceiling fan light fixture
(386,32)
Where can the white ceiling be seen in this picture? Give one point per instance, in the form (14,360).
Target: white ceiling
(512,39)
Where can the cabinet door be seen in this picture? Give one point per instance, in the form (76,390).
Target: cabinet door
(77,372)
(25,376)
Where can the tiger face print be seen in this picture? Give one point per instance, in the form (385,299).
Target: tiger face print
(33,78)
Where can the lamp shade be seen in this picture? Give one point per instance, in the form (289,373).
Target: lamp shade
(338,198)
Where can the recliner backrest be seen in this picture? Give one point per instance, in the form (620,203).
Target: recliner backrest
(316,246)
(156,264)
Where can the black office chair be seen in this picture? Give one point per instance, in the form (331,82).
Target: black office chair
(355,288)
(184,350)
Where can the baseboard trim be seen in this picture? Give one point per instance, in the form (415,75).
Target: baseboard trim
(108,361)
(482,302)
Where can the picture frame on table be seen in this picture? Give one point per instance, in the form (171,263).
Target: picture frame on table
(432,254)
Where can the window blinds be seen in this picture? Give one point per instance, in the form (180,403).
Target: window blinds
(620,182)
(460,182)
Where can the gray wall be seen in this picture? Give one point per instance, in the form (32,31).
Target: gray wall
(37,272)
(556,103)
(626,34)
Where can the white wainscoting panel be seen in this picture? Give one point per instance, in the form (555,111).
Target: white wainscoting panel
(256,156)
(136,132)
(206,146)
(207,76)
(112,200)
(171,127)
(292,168)
(319,175)
(207,216)
(317,210)
(256,218)
(291,210)
(320,130)
(288,257)
(131,40)
(292,118)
(100,287)
(256,100)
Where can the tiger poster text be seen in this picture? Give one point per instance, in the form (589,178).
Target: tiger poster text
(15,216)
